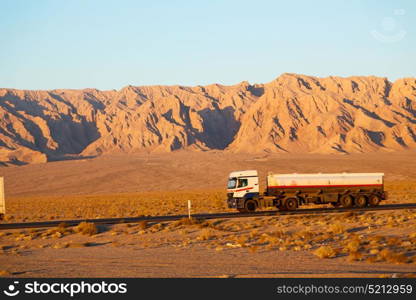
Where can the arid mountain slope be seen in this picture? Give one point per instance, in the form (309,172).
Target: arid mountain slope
(308,114)
(294,113)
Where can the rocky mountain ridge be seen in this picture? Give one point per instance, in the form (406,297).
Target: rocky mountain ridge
(293,113)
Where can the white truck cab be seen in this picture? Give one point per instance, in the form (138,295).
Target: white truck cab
(242,185)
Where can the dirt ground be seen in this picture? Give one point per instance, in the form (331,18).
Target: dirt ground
(183,170)
(381,244)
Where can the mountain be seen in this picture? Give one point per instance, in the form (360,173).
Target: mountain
(293,113)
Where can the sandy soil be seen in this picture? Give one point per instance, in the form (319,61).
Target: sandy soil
(222,248)
(197,261)
(254,247)
(185,170)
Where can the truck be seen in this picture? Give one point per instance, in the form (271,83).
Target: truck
(289,191)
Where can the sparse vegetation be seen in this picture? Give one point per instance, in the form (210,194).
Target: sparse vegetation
(143,225)
(358,237)
(4,273)
(113,205)
(86,228)
(186,222)
(325,252)
(353,246)
(355,256)
(337,228)
(206,234)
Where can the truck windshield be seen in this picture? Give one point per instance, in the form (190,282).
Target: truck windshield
(232,182)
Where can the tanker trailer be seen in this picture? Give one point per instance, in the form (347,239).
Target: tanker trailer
(289,191)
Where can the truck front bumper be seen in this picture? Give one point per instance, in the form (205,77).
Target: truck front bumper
(235,202)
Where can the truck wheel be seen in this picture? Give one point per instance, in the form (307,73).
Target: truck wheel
(282,207)
(361,201)
(291,203)
(250,206)
(374,200)
(347,201)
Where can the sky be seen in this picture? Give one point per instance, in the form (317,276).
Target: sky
(50,44)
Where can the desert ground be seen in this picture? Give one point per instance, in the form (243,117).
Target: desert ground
(371,244)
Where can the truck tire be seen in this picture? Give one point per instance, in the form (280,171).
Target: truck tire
(291,203)
(282,207)
(361,201)
(347,201)
(250,206)
(374,200)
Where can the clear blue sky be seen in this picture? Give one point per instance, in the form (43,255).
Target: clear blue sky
(111,44)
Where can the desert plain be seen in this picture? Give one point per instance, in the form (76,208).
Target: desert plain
(355,244)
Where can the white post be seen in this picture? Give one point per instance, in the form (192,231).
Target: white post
(189,209)
(2,201)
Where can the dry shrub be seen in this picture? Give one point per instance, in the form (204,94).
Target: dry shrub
(392,241)
(407,244)
(323,237)
(143,225)
(157,227)
(5,273)
(354,256)
(206,234)
(398,258)
(265,238)
(375,239)
(298,242)
(86,228)
(8,217)
(371,259)
(61,245)
(307,246)
(63,225)
(384,254)
(353,246)
(325,252)
(305,234)
(254,233)
(337,228)
(186,222)
(392,257)
(57,231)
(374,251)
(269,246)
(242,239)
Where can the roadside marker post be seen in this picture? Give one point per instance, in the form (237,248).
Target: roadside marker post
(2,199)
(189,209)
